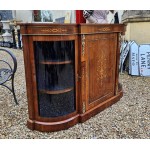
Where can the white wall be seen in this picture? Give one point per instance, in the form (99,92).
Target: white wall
(23,15)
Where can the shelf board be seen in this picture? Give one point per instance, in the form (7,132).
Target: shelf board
(56,91)
(55,62)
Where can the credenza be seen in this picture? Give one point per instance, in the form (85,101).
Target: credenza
(72,72)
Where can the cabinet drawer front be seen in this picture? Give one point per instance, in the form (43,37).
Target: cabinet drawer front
(52,30)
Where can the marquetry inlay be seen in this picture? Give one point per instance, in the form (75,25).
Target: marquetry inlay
(101,68)
(102,72)
(83,75)
(54,30)
(104,29)
(83,45)
(83,81)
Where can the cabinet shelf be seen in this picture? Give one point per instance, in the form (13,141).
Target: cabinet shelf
(55,91)
(55,62)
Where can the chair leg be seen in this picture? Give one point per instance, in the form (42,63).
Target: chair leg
(13,91)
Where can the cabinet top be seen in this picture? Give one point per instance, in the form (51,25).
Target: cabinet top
(66,29)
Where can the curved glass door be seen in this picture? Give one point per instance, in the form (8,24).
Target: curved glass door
(55,65)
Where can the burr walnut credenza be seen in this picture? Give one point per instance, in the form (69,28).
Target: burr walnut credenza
(71,72)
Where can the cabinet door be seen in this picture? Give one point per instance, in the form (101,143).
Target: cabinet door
(101,66)
(55,81)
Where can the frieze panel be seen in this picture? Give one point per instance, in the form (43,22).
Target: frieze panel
(52,30)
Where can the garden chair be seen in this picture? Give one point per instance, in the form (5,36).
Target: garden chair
(7,73)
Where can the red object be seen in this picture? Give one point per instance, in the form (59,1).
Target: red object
(35,12)
(79,16)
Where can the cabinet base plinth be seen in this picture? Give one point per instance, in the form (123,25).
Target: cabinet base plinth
(65,124)
(90,113)
(52,126)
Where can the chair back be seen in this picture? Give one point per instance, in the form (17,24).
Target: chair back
(14,67)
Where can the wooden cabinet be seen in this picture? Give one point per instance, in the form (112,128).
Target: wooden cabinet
(71,72)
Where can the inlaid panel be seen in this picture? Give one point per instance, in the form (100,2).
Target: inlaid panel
(102,61)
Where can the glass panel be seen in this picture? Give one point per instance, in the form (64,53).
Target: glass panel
(55,75)
(55,51)
(54,105)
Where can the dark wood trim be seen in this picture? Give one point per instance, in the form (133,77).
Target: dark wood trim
(29,85)
(33,77)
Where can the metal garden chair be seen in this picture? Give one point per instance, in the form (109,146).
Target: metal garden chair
(7,73)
